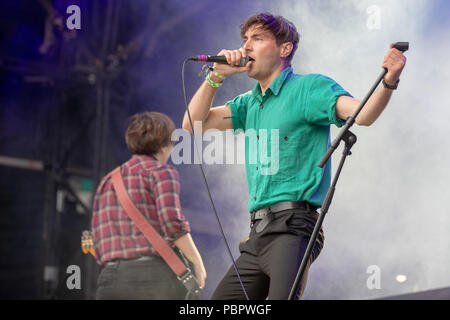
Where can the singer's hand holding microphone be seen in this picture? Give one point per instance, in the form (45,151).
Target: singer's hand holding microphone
(236,62)
(227,62)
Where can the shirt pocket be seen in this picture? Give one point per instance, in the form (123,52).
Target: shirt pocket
(289,157)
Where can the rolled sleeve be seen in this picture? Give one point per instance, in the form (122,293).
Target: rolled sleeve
(321,101)
(167,200)
(238,108)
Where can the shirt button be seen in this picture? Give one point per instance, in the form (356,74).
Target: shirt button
(261,106)
(285,138)
(256,168)
(257,137)
(254,198)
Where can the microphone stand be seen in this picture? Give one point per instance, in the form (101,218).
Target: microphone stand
(350,139)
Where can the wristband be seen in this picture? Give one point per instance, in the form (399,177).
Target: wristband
(218,75)
(394,87)
(212,83)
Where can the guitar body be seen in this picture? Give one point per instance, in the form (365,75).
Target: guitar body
(87,245)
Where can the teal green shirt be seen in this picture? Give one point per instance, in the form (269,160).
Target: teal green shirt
(287,131)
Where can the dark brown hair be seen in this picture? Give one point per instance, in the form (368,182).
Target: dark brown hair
(148,132)
(282,29)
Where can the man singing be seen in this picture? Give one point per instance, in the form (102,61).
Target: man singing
(300,108)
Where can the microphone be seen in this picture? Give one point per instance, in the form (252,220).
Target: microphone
(218,59)
(402,46)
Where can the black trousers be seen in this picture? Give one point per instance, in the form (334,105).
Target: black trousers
(139,280)
(270,259)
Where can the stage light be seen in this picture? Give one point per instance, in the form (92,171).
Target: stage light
(401,278)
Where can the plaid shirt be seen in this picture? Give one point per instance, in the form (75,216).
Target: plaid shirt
(154,188)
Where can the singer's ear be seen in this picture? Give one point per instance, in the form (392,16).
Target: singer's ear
(286,49)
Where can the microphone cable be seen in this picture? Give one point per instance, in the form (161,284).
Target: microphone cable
(206,183)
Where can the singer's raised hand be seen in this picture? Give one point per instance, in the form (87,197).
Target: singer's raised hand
(394,61)
(233,58)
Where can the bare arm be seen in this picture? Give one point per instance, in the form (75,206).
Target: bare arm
(201,110)
(394,61)
(346,106)
(188,248)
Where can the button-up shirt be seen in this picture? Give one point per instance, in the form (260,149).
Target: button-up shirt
(154,188)
(287,131)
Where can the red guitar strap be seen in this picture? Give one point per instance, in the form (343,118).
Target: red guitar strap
(145,227)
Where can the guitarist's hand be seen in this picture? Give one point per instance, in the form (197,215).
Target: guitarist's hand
(188,248)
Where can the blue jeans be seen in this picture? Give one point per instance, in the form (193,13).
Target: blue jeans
(139,280)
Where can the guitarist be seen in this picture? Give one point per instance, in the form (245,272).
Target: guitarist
(132,269)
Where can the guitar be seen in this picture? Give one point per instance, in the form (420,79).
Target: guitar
(87,243)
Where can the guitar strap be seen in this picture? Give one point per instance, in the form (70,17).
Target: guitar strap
(183,273)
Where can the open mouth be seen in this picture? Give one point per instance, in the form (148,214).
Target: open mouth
(245,60)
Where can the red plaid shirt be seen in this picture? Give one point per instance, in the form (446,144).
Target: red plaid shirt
(154,188)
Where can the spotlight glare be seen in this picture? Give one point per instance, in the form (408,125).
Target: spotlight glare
(401,278)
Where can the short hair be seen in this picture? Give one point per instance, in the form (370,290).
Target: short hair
(148,132)
(282,29)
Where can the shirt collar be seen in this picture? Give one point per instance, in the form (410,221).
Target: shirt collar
(276,84)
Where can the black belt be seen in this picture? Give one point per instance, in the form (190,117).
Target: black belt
(265,214)
(116,262)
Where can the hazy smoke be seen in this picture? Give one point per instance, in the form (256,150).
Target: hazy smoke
(389,208)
